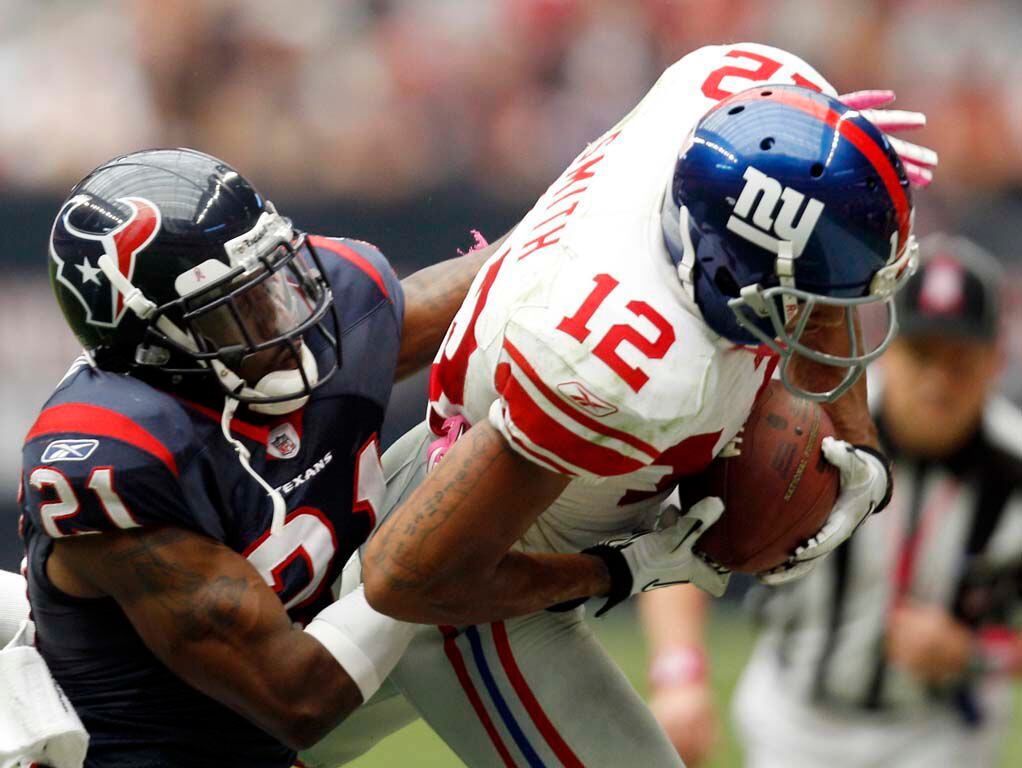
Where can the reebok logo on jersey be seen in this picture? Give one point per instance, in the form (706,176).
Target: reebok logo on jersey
(69,450)
(584,399)
(283,442)
(757,219)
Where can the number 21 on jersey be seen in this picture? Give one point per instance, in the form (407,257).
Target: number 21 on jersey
(309,536)
(606,349)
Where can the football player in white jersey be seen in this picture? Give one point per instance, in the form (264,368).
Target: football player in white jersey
(613,345)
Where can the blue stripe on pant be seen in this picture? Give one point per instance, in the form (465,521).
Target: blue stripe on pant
(502,708)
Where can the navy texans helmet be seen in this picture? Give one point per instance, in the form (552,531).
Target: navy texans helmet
(167,263)
(784,199)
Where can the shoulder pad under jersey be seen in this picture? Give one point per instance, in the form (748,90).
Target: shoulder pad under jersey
(359,275)
(109,452)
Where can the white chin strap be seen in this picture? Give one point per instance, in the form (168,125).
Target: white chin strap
(273,384)
(279,507)
(688,261)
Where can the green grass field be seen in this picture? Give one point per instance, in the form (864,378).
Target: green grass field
(731,639)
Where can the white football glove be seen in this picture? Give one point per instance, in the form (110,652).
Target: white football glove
(661,557)
(865,488)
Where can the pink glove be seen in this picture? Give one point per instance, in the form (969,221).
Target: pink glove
(454,427)
(918,161)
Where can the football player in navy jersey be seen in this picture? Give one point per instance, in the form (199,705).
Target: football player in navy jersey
(201,475)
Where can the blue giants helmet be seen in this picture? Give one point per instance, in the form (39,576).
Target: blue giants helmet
(784,199)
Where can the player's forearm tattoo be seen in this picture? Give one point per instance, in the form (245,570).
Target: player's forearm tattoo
(201,607)
(405,536)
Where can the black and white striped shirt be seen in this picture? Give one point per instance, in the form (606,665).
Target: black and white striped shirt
(952,536)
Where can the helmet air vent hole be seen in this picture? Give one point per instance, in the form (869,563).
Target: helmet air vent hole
(816,171)
(767,93)
(735,110)
(767,143)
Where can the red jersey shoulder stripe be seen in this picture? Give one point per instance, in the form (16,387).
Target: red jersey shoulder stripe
(447,376)
(360,261)
(586,421)
(550,435)
(82,418)
(547,462)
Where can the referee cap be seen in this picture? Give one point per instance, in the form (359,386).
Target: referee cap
(955,291)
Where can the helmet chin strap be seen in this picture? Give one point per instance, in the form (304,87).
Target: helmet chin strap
(786,277)
(273,384)
(277,383)
(674,224)
(279,507)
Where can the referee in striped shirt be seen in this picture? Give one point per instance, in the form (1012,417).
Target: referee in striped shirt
(899,649)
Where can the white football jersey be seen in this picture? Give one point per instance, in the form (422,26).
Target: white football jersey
(579,342)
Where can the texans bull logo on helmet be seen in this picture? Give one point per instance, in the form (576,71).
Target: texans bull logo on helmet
(88,228)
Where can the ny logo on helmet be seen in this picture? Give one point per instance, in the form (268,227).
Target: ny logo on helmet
(87,230)
(764,223)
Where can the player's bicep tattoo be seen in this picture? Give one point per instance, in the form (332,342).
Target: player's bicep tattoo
(196,606)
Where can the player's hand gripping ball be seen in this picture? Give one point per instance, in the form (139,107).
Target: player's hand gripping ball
(778,489)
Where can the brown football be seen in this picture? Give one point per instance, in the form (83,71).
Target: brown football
(777,491)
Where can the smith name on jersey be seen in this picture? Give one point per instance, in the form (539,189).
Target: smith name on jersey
(108,452)
(578,340)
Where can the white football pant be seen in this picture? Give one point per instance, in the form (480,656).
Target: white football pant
(534,691)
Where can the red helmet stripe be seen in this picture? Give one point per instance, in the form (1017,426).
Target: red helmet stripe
(863,142)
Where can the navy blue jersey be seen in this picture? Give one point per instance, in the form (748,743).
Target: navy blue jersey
(110,452)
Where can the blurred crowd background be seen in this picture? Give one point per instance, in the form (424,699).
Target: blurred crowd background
(408,122)
(387,99)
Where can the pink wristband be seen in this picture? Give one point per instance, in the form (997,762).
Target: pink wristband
(454,427)
(678,665)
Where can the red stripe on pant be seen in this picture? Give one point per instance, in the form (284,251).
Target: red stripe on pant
(454,656)
(528,699)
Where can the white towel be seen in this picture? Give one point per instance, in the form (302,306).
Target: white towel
(37,722)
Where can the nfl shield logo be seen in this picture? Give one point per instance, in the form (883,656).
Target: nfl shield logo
(283,442)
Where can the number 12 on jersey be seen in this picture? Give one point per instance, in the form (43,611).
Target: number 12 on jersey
(577,326)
